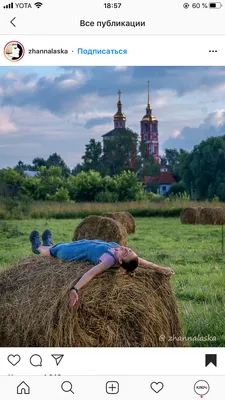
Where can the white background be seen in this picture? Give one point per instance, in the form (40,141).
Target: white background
(115,361)
(132,388)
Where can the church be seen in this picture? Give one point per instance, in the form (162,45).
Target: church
(148,130)
(149,135)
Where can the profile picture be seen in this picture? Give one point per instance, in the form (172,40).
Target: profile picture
(14,51)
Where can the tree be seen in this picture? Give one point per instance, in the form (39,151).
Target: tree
(54,160)
(177,188)
(77,169)
(163,160)
(38,162)
(10,182)
(49,180)
(21,167)
(129,186)
(85,185)
(203,169)
(120,152)
(150,166)
(11,177)
(93,156)
(61,195)
(172,158)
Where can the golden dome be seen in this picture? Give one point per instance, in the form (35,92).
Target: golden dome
(149,118)
(119,116)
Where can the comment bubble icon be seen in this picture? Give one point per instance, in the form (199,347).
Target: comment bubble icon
(36,360)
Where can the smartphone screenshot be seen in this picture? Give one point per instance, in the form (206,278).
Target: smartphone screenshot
(112,191)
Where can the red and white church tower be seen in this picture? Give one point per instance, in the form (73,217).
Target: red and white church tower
(149,131)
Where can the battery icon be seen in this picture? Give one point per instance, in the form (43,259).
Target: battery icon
(215,5)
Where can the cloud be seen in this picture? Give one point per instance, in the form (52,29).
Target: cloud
(6,124)
(62,109)
(63,92)
(97,121)
(188,137)
(176,133)
(58,94)
(10,75)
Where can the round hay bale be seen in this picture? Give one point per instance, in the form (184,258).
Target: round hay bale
(96,227)
(114,309)
(220,216)
(125,218)
(198,210)
(209,216)
(189,215)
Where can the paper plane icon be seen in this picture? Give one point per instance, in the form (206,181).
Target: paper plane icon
(58,358)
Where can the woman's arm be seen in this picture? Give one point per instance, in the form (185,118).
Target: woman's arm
(155,267)
(97,269)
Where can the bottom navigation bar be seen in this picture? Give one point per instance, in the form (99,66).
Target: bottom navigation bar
(122,387)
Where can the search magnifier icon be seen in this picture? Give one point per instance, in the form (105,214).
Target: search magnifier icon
(67,387)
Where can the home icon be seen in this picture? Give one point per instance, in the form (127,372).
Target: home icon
(23,388)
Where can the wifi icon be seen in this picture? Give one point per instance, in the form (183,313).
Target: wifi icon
(38,4)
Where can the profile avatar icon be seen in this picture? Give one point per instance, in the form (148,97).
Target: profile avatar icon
(14,51)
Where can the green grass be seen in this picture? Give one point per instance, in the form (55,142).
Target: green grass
(193,251)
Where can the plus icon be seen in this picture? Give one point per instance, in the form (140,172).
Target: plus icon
(112,387)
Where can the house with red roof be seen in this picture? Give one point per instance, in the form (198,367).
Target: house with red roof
(163,180)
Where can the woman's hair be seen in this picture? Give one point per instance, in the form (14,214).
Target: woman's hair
(9,49)
(131,265)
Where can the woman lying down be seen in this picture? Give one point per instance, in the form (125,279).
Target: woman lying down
(104,255)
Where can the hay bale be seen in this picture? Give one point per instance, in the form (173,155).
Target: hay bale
(210,216)
(189,215)
(125,218)
(198,210)
(219,216)
(96,227)
(114,309)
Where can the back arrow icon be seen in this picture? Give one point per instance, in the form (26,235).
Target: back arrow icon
(11,22)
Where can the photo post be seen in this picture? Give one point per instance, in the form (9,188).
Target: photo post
(112,193)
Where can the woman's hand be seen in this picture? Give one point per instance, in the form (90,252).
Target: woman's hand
(97,269)
(155,267)
(73,298)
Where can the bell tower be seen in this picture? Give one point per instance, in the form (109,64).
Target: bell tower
(149,130)
(119,117)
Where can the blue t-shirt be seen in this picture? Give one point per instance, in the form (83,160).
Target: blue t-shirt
(84,250)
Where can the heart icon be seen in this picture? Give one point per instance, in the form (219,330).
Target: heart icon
(14,359)
(157,386)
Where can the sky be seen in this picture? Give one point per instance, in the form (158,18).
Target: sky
(44,110)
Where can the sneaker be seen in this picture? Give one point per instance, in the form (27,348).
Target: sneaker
(35,241)
(47,238)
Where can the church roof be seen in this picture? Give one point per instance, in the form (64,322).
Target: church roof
(163,178)
(149,117)
(119,115)
(115,132)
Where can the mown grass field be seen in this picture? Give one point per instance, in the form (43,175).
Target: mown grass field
(193,251)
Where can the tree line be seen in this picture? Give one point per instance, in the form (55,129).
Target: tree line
(115,172)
